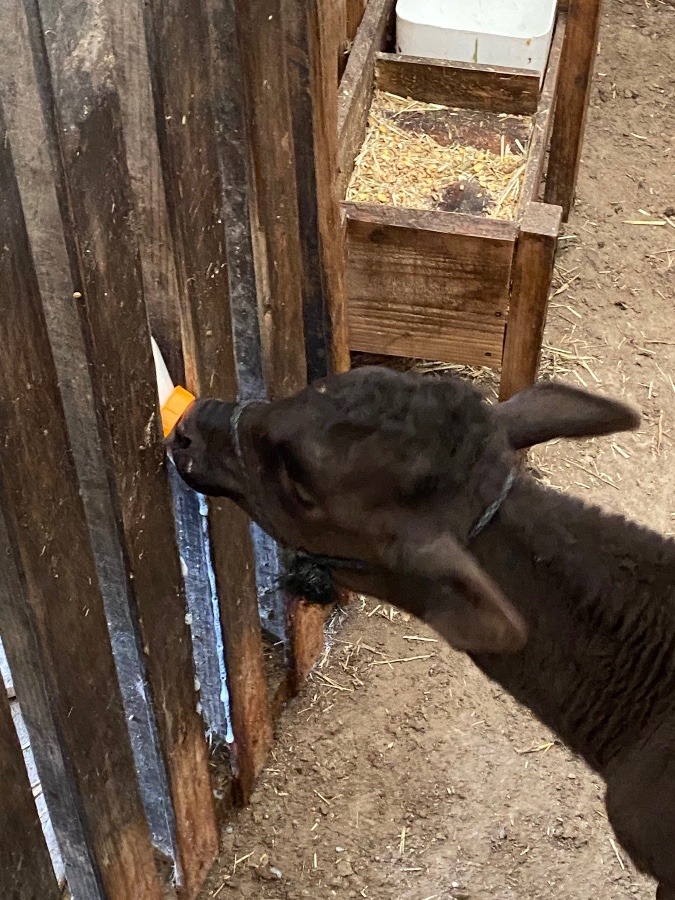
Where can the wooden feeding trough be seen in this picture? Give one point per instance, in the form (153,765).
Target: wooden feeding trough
(455,178)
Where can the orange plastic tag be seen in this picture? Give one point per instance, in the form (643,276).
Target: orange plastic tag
(179,400)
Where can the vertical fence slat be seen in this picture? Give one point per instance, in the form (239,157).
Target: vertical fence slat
(289,68)
(22,73)
(88,111)
(208,268)
(25,868)
(160,283)
(48,535)
(262,48)
(312,35)
(574,87)
(354,15)
(23,652)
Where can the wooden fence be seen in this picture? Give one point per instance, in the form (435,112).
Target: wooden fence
(166,167)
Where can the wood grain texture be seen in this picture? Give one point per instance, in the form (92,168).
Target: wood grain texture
(200,129)
(356,86)
(427,284)
(311,33)
(532,271)
(354,11)
(542,122)
(25,867)
(187,138)
(160,283)
(59,787)
(306,626)
(114,321)
(32,134)
(61,605)
(338,48)
(289,69)
(461,85)
(313,102)
(278,251)
(576,73)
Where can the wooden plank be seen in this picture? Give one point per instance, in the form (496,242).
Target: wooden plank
(24,652)
(542,123)
(26,871)
(336,50)
(427,284)
(356,86)
(278,251)
(47,530)
(38,793)
(223,210)
(306,625)
(115,323)
(33,145)
(532,271)
(354,11)
(456,84)
(313,103)
(576,75)
(287,57)
(160,283)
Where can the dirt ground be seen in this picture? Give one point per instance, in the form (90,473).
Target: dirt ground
(400,771)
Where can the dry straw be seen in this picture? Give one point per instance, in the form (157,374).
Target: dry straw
(408,168)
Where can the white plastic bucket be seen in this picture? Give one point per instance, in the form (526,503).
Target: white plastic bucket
(515,33)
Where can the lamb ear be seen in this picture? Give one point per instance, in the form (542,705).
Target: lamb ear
(550,410)
(460,601)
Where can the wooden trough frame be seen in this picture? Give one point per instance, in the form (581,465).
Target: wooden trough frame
(453,287)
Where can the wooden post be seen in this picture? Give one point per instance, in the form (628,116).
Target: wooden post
(197,98)
(356,87)
(354,10)
(58,611)
(101,207)
(310,34)
(287,64)
(33,147)
(576,76)
(58,784)
(531,280)
(25,868)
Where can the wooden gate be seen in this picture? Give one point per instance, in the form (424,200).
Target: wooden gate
(166,167)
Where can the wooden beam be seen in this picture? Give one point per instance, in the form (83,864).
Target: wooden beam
(461,85)
(26,871)
(277,245)
(428,284)
(102,208)
(198,97)
(354,10)
(33,142)
(356,86)
(23,653)
(542,123)
(288,69)
(156,250)
(59,611)
(313,102)
(533,267)
(576,76)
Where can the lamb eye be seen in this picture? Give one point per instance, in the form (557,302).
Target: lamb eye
(302,494)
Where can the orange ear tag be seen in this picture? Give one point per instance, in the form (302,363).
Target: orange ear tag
(177,402)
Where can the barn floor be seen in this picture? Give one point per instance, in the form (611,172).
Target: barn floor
(417,778)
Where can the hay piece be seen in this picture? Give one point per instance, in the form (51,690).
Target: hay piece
(404,167)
